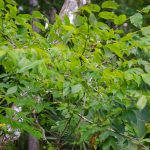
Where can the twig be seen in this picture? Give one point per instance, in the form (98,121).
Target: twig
(63,132)
(112,130)
(85,119)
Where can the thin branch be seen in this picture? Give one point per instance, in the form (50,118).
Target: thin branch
(135,141)
(59,144)
(85,119)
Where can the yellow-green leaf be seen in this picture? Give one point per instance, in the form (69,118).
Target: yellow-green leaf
(120,19)
(107,15)
(142,102)
(110,4)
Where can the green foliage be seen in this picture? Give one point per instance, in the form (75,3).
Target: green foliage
(110,4)
(87,84)
(137,20)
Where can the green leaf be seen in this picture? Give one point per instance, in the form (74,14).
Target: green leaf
(92,19)
(94,7)
(128,76)
(142,102)
(147,68)
(1,4)
(115,48)
(106,144)
(146,78)
(12,90)
(12,2)
(146,9)
(39,25)
(30,66)
(110,4)
(146,30)
(107,15)
(2,55)
(79,20)
(76,88)
(37,14)
(137,20)
(137,79)
(103,136)
(120,19)
(13,10)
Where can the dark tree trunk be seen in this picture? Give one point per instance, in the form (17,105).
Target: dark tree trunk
(33,143)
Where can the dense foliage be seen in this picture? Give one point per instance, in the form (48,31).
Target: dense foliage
(78,86)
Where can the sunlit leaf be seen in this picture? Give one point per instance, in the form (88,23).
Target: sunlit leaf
(107,15)
(142,102)
(110,4)
(146,78)
(120,19)
(30,66)
(137,20)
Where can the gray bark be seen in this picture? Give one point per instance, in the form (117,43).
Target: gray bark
(34,5)
(71,6)
(52,13)
(33,143)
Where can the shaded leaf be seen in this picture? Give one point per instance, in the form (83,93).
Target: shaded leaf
(76,88)
(12,90)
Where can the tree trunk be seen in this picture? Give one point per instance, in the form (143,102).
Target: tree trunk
(33,143)
(34,5)
(71,6)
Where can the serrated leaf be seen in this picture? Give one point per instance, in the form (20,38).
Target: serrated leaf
(76,88)
(12,90)
(142,102)
(146,78)
(107,15)
(137,20)
(110,4)
(147,68)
